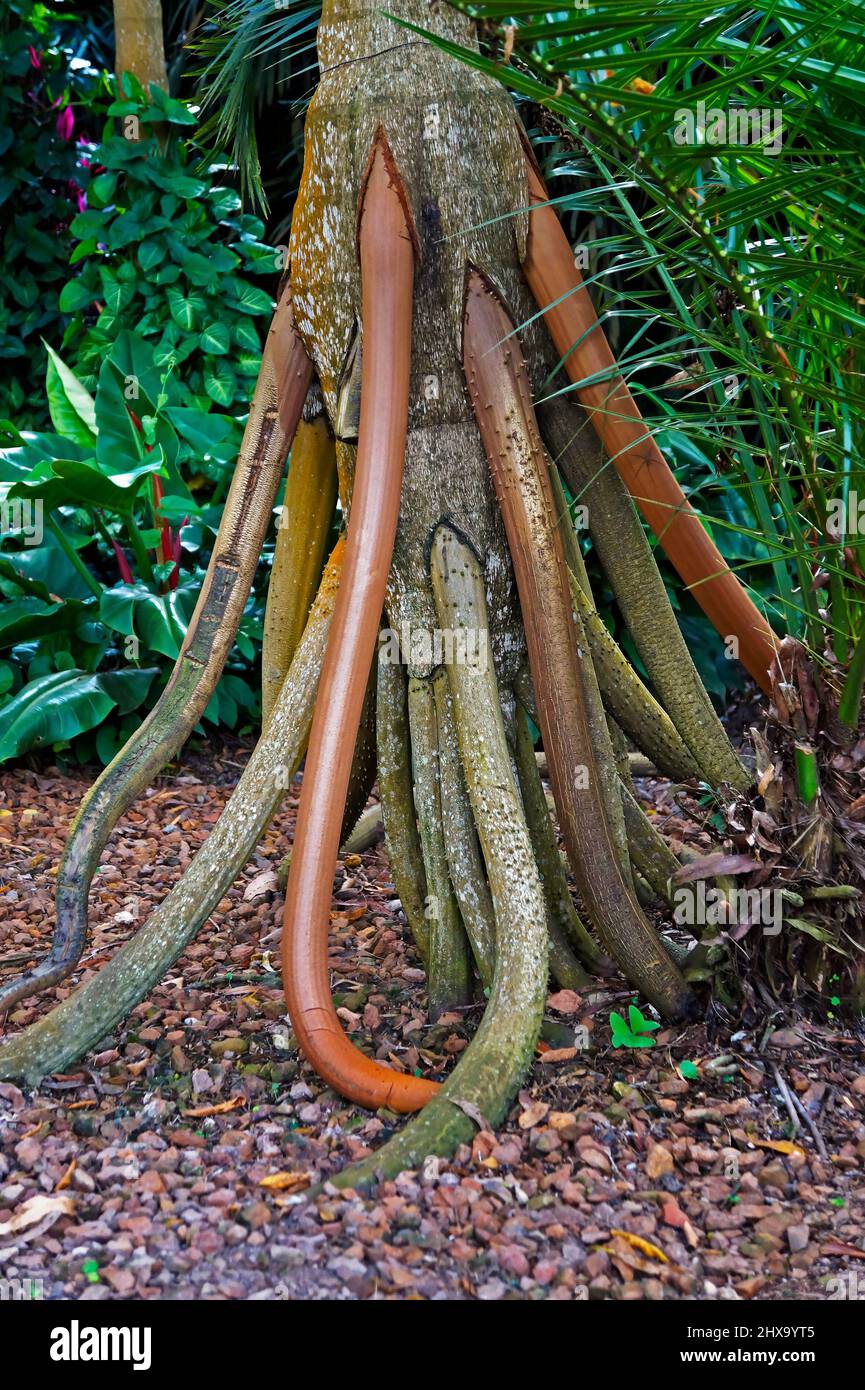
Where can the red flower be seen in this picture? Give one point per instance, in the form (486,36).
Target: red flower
(35,59)
(65,123)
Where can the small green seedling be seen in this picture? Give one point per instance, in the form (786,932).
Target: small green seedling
(689,1071)
(634,1032)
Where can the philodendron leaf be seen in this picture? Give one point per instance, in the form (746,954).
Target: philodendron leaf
(70,482)
(133,610)
(52,709)
(215,339)
(72,408)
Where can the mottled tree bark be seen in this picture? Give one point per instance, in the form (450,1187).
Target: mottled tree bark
(139,46)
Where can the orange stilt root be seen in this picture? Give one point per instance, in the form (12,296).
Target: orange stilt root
(387,275)
(570,316)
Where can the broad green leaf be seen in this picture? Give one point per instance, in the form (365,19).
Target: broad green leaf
(100,189)
(53,709)
(129,687)
(215,339)
(187,307)
(638,1023)
(72,408)
(246,334)
(29,618)
(220,383)
(70,482)
(133,610)
(620,1030)
(224,201)
(208,435)
(249,298)
(75,295)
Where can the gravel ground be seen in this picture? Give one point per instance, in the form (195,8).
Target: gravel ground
(174,1161)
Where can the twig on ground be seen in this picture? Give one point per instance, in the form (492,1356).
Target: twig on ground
(788,1099)
(812,1126)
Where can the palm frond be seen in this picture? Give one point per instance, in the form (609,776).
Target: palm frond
(248,51)
(744,260)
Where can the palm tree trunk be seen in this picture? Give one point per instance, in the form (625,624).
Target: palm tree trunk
(139,46)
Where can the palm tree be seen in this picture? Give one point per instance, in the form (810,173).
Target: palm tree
(138,42)
(431,301)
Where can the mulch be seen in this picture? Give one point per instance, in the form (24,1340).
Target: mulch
(174,1161)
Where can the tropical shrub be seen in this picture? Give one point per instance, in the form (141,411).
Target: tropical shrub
(163,248)
(46,90)
(146,395)
(708,160)
(90,623)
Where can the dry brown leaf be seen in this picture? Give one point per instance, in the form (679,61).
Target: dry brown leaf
(644,1246)
(780,1146)
(566,1001)
(557,1054)
(533,1114)
(67,1176)
(265,882)
(766,777)
(838,1247)
(708,865)
(286,1182)
(473,1111)
(203,1111)
(35,1210)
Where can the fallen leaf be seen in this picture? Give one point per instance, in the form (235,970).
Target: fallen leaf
(626,1258)
(708,865)
(564,1002)
(286,1182)
(265,882)
(35,1210)
(557,1054)
(596,1158)
(473,1111)
(203,1111)
(67,1176)
(645,1247)
(690,1234)
(780,1146)
(533,1114)
(838,1247)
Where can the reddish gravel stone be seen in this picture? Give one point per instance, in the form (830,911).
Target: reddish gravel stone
(171,1204)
